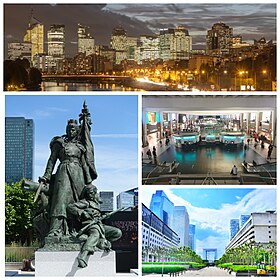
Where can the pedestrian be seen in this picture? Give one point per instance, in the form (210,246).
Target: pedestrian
(248,141)
(149,154)
(160,143)
(270,148)
(154,152)
(234,170)
(245,148)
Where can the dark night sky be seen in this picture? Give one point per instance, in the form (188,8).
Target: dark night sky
(252,21)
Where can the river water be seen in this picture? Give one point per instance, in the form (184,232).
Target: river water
(54,86)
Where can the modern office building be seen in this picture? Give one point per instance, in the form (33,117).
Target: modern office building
(119,44)
(149,48)
(107,198)
(244,219)
(85,40)
(162,207)
(127,199)
(180,224)
(192,237)
(234,227)
(56,41)
(260,228)
(219,39)
(156,233)
(175,43)
(19,145)
(19,50)
(35,35)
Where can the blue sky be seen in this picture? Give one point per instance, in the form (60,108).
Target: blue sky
(114,132)
(212,209)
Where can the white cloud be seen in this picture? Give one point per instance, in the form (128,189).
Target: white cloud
(218,220)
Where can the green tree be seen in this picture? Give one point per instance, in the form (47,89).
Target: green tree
(18,208)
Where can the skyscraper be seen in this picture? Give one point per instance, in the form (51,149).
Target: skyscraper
(180,224)
(162,207)
(56,41)
(85,40)
(244,219)
(35,35)
(128,198)
(234,227)
(219,39)
(107,198)
(119,43)
(19,134)
(175,43)
(192,237)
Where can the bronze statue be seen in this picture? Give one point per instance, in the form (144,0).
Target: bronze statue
(94,234)
(68,216)
(73,173)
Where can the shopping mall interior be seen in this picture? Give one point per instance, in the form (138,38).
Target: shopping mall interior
(209,139)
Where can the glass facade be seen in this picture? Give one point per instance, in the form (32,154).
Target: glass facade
(107,199)
(181,224)
(234,227)
(19,143)
(162,207)
(192,237)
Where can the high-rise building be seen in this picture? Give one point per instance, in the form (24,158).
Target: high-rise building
(119,44)
(149,47)
(192,237)
(234,227)
(128,198)
(107,198)
(162,207)
(156,233)
(175,43)
(180,224)
(35,35)
(19,143)
(56,41)
(243,220)
(85,40)
(19,50)
(219,39)
(260,228)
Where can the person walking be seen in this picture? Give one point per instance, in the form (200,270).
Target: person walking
(149,154)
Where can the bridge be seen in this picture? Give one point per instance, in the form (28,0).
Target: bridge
(87,78)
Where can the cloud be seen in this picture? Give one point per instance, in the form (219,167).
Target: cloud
(218,220)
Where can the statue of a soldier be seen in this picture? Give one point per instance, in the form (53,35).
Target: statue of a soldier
(93,233)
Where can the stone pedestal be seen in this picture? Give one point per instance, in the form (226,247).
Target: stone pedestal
(65,264)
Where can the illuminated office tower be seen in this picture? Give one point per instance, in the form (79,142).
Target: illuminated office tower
(85,40)
(35,35)
(119,44)
(175,43)
(149,47)
(219,39)
(56,41)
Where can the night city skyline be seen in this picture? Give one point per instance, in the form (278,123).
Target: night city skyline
(252,21)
